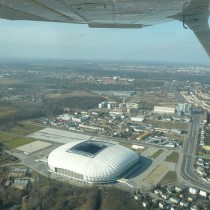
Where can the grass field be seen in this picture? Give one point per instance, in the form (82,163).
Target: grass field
(7,136)
(204,156)
(173,157)
(157,153)
(71,94)
(126,144)
(157,98)
(167,124)
(155,174)
(5,81)
(15,137)
(25,129)
(6,111)
(170,177)
(18,142)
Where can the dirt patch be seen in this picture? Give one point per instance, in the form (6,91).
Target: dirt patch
(170,177)
(155,174)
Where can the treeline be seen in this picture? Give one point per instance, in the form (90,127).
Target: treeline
(24,111)
(58,195)
(75,102)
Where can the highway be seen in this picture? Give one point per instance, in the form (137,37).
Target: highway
(189,152)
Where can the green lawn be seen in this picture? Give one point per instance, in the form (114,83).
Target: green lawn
(173,157)
(18,142)
(204,156)
(15,137)
(7,136)
(7,111)
(170,177)
(157,153)
(24,129)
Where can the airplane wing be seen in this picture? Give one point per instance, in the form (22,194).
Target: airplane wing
(195,15)
(114,13)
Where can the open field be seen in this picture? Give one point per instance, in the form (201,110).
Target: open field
(167,124)
(158,98)
(128,145)
(6,111)
(174,136)
(70,94)
(156,154)
(5,81)
(18,142)
(7,136)
(156,173)
(204,156)
(170,177)
(15,136)
(25,128)
(173,157)
(21,129)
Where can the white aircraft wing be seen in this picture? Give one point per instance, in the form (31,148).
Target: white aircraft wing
(195,15)
(114,13)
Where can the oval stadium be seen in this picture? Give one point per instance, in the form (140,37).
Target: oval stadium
(92,161)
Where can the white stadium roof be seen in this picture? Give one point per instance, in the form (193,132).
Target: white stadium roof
(92,161)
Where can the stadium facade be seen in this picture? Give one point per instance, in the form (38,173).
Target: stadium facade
(92,161)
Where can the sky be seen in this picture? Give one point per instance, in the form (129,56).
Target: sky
(166,43)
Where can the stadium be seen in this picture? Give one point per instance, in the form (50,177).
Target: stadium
(92,161)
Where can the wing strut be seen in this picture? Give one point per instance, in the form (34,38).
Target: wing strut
(184,7)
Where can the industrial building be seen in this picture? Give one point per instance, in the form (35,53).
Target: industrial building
(164,110)
(139,118)
(92,161)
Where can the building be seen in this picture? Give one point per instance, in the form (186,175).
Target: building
(139,118)
(203,193)
(180,188)
(65,117)
(137,147)
(192,198)
(92,161)
(21,184)
(184,108)
(102,105)
(184,204)
(208,117)
(193,191)
(132,105)
(18,172)
(165,196)
(164,110)
(205,116)
(111,105)
(174,200)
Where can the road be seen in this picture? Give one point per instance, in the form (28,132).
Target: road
(178,95)
(189,152)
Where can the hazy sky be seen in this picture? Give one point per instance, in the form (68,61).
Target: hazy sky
(168,42)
